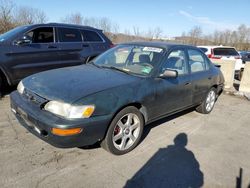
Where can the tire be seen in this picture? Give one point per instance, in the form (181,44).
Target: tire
(208,104)
(124,132)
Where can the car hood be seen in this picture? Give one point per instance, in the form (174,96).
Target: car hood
(73,83)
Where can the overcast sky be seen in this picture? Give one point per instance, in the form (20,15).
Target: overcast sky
(173,17)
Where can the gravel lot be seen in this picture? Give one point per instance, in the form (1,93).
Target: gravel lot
(217,147)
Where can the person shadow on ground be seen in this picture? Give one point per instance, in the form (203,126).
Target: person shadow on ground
(174,166)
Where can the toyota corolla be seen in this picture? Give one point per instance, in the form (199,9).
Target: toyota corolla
(110,99)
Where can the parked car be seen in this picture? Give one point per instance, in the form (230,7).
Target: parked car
(245,56)
(225,53)
(30,49)
(110,99)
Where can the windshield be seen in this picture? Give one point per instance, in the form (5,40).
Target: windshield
(132,59)
(11,33)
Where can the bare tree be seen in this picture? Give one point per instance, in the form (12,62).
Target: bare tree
(29,15)
(194,34)
(6,8)
(75,18)
(157,32)
(136,31)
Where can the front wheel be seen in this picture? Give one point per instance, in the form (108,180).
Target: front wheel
(124,132)
(208,104)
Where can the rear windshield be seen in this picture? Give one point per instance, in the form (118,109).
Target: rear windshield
(225,52)
(204,49)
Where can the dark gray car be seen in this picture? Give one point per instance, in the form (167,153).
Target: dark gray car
(30,49)
(110,99)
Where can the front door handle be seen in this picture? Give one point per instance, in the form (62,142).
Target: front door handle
(188,83)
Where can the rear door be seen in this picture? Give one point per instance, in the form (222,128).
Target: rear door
(73,50)
(95,40)
(200,74)
(38,55)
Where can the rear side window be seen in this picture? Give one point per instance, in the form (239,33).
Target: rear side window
(91,36)
(41,35)
(69,35)
(225,52)
(197,61)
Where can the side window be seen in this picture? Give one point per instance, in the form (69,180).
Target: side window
(177,61)
(41,35)
(91,36)
(197,61)
(69,35)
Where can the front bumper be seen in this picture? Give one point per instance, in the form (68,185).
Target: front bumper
(40,123)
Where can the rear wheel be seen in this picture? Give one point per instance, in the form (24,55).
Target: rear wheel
(208,104)
(124,132)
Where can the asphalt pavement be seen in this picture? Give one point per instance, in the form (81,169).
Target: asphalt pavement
(188,149)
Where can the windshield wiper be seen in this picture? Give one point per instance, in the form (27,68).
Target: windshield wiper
(92,63)
(115,68)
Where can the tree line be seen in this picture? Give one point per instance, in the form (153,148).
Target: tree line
(12,16)
(239,38)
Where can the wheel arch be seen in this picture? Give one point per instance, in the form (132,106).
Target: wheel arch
(137,105)
(4,76)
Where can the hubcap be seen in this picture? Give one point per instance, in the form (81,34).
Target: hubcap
(210,100)
(126,131)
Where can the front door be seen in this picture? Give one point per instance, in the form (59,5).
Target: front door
(174,94)
(39,54)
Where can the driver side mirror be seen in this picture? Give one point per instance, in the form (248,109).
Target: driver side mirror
(168,73)
(23,40)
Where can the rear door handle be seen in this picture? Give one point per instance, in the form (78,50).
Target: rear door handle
(188,83)
(209,78)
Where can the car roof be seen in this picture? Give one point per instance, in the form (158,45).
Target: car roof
(63,25)
(165,45)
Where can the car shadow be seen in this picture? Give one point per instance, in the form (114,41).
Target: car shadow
(173,166)
(154,124)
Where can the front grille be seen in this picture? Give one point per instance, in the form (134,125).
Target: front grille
(34,98)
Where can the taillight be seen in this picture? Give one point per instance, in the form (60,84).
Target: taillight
(209,55)
(237,57)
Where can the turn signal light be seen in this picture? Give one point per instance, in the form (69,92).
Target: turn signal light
(66,132)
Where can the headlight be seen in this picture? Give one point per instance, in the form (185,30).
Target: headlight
(20,87)
(69,111)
